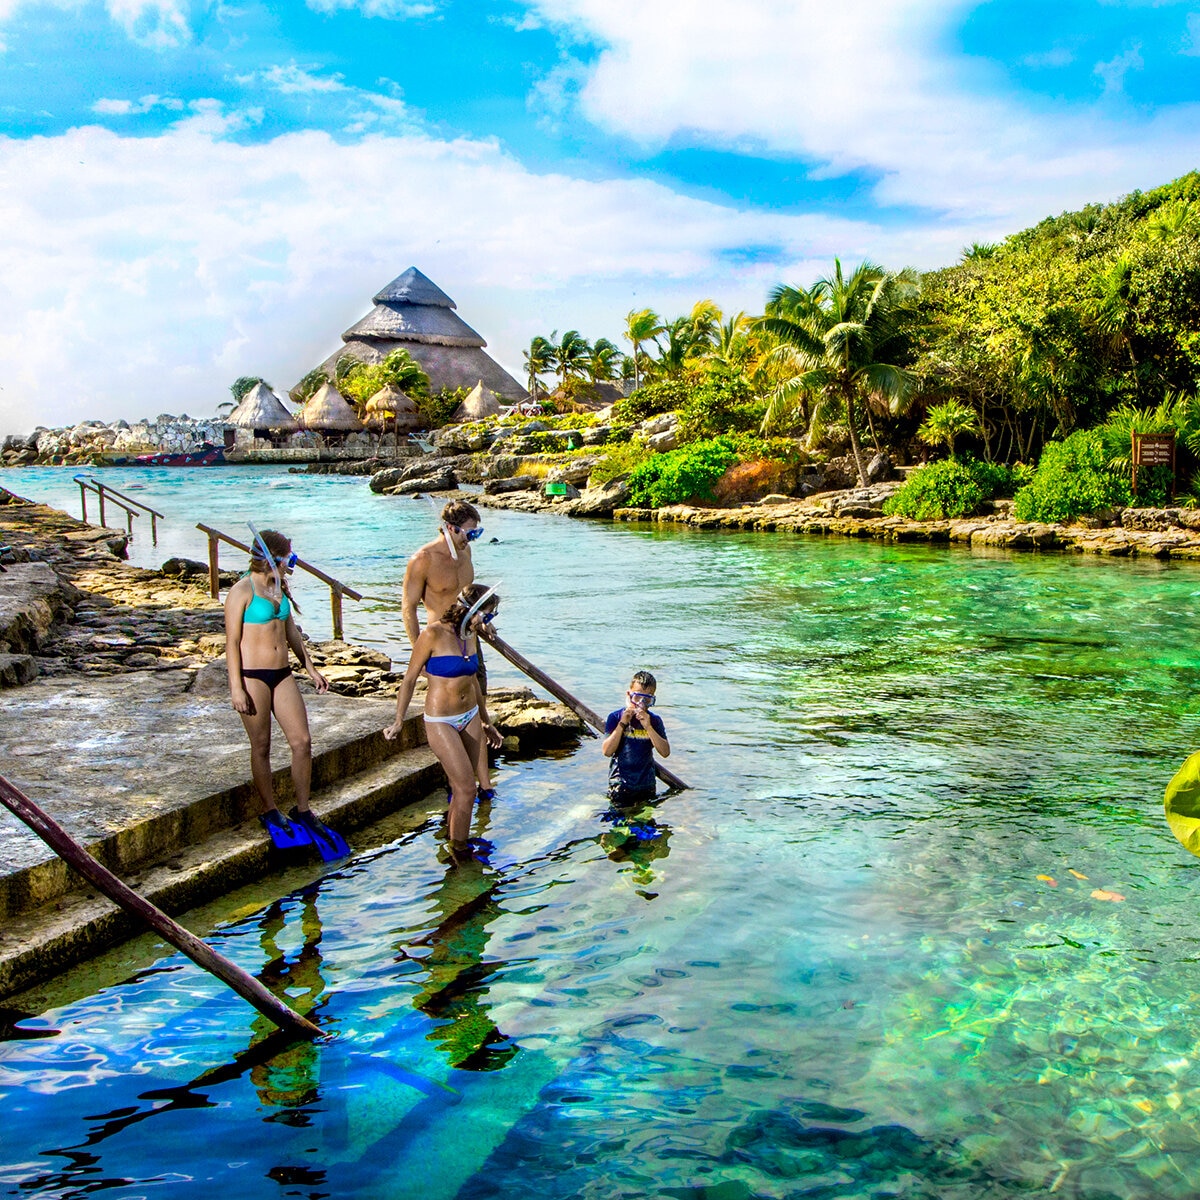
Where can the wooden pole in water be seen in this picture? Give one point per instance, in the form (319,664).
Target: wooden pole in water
(519,661)
(120,893)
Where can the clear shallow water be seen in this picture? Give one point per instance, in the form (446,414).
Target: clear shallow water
(829,970)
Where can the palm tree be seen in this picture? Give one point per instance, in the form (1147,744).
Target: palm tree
(946,421)
(572,354)
(679,346)
(641,325)
(605,361)
(539,360)
(1176,216)
(1113,310)
(706,323)
(732,345)
(834,331)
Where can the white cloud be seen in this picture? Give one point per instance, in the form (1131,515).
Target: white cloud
(145,273)
(1113,71)
(125,108)
(294,79)
(1192,47)
(158,24)
(868,86)
(389,9)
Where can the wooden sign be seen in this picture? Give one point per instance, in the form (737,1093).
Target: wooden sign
(1153,450)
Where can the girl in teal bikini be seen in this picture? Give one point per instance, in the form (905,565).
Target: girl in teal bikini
(259,629)
(456,718)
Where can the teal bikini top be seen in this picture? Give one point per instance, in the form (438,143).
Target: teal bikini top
(261,611)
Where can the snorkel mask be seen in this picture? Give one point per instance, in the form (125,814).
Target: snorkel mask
(465,623)
(258,538)
(445,532)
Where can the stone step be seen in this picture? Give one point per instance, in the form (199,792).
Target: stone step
(43,942)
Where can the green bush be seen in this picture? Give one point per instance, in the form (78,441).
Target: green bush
(723,403)
(1072,478)
(954,488)
(438,407)
(683,474)
(651,400)
(619,459)
(943,489)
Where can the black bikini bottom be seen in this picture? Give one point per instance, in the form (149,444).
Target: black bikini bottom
(271,676)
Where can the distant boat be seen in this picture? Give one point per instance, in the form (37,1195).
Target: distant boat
(206,455)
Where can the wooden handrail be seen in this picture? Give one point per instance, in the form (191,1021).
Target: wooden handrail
(202,954)
(337,589)
(88,483)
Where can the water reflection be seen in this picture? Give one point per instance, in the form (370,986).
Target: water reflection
(638,838)
(290,1079)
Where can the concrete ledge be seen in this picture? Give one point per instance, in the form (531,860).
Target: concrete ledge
(136,768)
(40,944)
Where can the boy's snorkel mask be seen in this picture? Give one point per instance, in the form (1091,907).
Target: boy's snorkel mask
(465,623)
(266,553)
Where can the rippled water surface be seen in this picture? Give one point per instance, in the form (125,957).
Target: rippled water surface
(862,957)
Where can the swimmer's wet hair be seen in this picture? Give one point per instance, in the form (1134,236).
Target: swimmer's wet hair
(458,512)
(466,598)
(644,679)
(280,546)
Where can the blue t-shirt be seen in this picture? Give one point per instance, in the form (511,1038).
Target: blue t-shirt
(633,764)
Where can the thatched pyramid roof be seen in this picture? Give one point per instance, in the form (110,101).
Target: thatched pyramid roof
(413,287)
(327,410)
(480,403)
(414,314)
(391,399)
(391,407)
(262,409)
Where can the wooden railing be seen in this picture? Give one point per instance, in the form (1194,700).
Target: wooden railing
(337,589)
(132,507)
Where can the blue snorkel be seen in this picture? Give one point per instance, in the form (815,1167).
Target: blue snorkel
(271,562)
(466,621)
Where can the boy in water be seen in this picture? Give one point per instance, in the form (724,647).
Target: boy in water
(632,734)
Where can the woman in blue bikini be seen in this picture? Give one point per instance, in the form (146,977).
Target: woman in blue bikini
(259,629)
(456,718)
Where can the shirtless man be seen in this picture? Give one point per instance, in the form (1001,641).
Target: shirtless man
(435,574)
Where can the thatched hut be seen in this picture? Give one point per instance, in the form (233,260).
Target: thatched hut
(328,412)
(480,403)
(261,412)
(414,314)
(390,406)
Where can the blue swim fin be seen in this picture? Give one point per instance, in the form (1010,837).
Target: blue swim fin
(283,833)
(329,843)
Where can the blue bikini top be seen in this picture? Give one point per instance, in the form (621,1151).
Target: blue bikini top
(451,666)
(261,611)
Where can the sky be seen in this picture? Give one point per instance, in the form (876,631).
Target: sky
(194,190)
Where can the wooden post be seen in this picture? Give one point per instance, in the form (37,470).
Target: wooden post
(335,602)
(120,893)
(129,521)
(519,661)
(83,498)
(100,493)
(153,528)
(214,570)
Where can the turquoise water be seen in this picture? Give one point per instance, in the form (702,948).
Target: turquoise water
(829,970)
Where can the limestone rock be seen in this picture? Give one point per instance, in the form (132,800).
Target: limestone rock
(444,480)
(517,712)
(16,670)
(660,443)
(601,501)
(515,483)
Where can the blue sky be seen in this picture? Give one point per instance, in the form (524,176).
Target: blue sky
(197,189)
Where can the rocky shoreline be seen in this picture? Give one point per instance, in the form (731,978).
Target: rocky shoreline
(70,606)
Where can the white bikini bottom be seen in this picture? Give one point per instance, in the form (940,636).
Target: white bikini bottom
(458,723)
